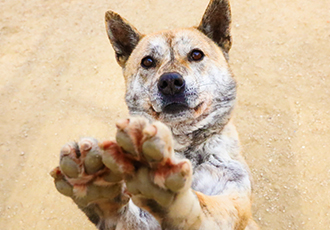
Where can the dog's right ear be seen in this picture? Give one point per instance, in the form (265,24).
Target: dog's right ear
(216,23)
(123,36)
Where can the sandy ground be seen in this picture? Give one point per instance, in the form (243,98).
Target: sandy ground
(59,81)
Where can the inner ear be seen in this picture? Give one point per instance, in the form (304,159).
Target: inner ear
(123,36)
(216,23)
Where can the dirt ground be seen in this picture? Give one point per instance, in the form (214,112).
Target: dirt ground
(59,81)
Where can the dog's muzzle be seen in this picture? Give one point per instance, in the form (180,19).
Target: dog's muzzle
(171,87)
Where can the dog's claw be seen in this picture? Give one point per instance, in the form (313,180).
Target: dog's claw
(66,150)
(150,131)
(85,145)
(122,124)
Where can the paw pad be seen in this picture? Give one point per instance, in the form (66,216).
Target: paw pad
(69,167)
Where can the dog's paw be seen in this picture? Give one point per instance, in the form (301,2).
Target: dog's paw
(82,176)
(144,155)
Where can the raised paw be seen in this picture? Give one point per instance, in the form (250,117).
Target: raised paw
(144,154)
(82,176)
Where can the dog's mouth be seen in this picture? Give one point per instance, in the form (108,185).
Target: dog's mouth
(175,108)
(179,108)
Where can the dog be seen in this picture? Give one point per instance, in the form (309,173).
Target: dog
(176,161)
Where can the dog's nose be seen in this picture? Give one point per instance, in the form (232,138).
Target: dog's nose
(171,83)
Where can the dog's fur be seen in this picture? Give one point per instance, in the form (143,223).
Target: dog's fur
(203,132)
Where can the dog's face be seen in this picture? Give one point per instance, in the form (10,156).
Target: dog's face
(177,76)
(180,77)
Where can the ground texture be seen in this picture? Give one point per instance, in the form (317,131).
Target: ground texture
(59,81)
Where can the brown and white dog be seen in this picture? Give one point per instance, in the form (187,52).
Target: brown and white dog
(176,161)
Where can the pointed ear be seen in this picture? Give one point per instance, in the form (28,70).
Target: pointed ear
(123,36)
(216,23)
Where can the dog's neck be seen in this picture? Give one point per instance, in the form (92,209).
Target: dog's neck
(193,135)
(202,144)
(199,139)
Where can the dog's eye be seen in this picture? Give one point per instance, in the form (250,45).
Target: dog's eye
(148,62)
(196,55)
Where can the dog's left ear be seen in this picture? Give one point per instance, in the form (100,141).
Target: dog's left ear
(123,36)
(216,23)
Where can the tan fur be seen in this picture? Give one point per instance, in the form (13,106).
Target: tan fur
(233,208)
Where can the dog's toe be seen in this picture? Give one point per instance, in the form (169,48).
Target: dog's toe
(129,135)
(158,143)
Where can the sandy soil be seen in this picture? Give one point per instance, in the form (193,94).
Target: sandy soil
(59,81)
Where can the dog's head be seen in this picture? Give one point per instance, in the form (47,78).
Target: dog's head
(180,77)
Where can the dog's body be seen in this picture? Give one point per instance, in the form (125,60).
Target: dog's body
(179,78)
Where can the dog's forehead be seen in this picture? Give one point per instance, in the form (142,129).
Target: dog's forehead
(180,40)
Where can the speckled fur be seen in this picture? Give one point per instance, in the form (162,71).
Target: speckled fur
(204,134)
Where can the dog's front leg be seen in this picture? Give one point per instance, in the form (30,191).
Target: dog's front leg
(155,179)
(223,192)
(98,191)
(224,178)
(160,183)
